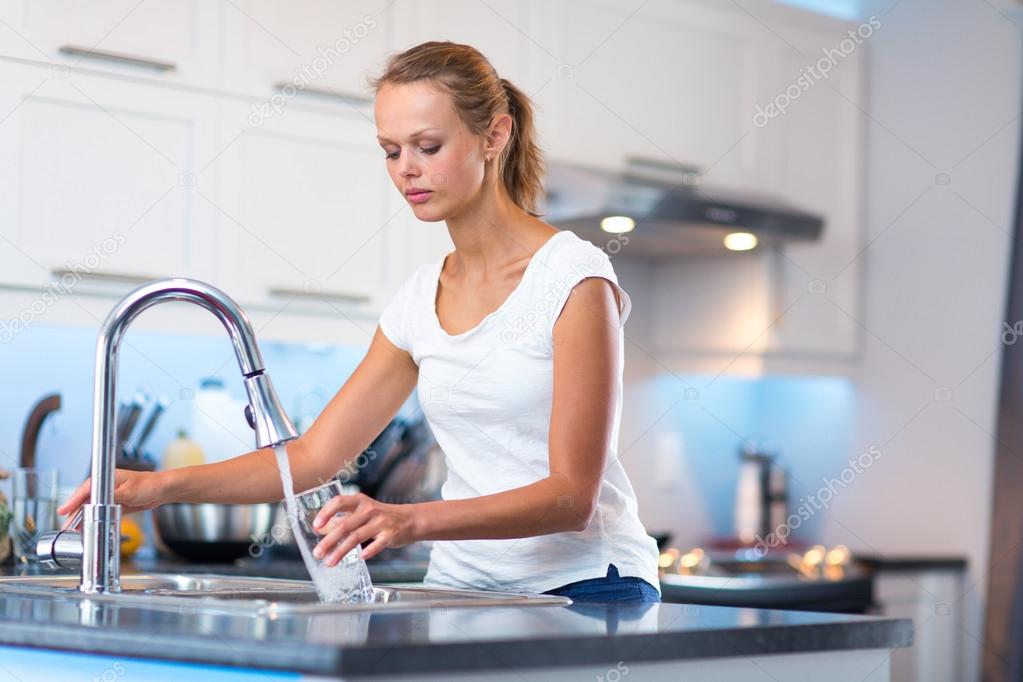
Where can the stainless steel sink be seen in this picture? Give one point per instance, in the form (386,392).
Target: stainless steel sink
(260,595)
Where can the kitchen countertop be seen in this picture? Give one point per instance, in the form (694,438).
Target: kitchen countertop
(383,571)
(443,640)
(912,562)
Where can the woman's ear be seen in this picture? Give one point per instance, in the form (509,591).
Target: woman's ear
(498,135)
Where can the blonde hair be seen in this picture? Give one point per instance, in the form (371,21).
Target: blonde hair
(479,94)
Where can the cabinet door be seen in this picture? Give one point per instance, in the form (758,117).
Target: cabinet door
(98,175)
(817,165)
(302,206)
(322,47)
(669,83)
(159,38)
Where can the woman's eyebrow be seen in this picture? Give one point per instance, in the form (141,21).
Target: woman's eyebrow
(415,134)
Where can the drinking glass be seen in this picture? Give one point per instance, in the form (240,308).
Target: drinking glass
(349,580)
(34,498)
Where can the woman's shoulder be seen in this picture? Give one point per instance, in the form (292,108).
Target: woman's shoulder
(569,261)
(571,258)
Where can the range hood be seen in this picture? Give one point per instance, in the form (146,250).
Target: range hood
(673,214)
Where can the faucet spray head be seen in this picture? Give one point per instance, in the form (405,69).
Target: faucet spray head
(265,414)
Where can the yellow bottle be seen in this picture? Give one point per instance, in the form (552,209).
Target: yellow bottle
(182,452)
(132,537)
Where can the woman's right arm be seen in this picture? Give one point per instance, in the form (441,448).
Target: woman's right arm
(363,406)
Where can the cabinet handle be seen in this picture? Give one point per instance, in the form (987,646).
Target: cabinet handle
(101,276)
(334,296)
(119,57)
(337,95)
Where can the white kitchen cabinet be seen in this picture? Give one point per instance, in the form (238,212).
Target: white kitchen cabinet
(219,171)
(98,175)
(820,168)
(326,48)
(159,39)
(933,600)
(663,81)
(302,203)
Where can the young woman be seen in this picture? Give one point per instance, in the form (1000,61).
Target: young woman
(514,343)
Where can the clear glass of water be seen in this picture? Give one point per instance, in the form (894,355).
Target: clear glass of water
(34,499)
(349,580)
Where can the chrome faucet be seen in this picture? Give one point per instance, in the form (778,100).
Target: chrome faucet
(97,546)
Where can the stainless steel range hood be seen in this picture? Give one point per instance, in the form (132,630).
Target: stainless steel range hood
(674,215)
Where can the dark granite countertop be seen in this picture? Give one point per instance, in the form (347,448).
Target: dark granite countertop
(443,640)
(912,562)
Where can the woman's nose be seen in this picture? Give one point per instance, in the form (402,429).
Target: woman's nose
(406,167)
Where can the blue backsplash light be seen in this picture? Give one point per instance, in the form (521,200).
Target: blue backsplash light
(842,9)
(807,419)
(60,359)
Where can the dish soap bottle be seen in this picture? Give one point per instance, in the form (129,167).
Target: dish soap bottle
(182,452)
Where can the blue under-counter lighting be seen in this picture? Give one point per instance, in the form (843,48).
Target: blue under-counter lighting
(842,9)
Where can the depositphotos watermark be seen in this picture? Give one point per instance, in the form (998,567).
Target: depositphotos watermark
(1012,333)
(311,72)
(811,74)
(820,500)
(111,674)
(65,282)
(614,674)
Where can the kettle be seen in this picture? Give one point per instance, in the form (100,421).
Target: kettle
(761,495)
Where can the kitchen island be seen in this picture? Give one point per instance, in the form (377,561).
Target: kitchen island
(51,636)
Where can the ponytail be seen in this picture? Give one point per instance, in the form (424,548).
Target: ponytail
(522,161)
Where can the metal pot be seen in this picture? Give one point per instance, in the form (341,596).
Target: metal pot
(282,540)
(213,532)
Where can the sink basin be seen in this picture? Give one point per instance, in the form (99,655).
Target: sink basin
(261,595)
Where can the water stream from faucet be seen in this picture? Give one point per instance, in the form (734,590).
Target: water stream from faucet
(349,581)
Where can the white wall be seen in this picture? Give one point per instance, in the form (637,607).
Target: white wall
(944,97)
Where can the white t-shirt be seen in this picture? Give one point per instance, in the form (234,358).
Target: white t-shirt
(487,395)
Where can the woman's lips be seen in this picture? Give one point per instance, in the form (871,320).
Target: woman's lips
(418,196)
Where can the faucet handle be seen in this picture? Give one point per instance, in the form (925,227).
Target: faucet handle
(62,548)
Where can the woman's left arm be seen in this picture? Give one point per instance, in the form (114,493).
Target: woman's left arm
(586,369)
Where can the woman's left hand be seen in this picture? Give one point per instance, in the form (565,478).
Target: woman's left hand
(390,525)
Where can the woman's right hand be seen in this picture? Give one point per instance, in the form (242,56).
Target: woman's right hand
(133,490)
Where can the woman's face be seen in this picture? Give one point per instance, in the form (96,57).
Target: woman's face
(434,159)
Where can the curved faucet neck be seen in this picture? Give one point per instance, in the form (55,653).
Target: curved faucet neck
(100,539)
(238,327)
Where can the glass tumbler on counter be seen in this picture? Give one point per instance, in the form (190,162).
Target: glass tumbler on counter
(349,580)
(34,502)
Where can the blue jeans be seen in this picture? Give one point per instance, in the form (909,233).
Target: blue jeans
(612,588)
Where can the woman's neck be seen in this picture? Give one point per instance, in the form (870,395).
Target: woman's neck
(491,233)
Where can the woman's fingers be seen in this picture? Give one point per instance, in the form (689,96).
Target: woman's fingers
(378,545)
(354,539)
(336,530)
(341,503)
(77,499)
